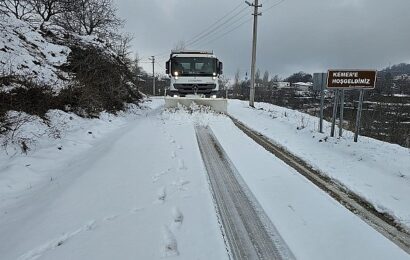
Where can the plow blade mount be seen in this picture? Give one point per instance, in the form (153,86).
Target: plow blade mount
(217,104)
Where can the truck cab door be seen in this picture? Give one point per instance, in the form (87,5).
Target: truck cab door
(167,67)
(220,68)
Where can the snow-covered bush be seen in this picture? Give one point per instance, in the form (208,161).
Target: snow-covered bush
(52,68)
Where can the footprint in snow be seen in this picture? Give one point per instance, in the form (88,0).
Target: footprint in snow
(135,210)
(173,154)
(161,194)
(157,176)
(180,147)
(180,184)
(181,164)
(177,216)
(170,244)
(111,218)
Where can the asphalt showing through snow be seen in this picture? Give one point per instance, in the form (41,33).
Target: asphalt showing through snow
(248,232)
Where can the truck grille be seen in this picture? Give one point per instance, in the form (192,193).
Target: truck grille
(190,88)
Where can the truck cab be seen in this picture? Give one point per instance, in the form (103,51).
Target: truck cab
(193,72)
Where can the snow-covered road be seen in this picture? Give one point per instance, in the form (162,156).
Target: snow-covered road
(141,192)
(248,230)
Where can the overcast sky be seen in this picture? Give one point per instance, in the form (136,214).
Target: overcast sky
(296,35)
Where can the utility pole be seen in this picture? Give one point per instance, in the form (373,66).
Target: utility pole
(255,36)
(153,75)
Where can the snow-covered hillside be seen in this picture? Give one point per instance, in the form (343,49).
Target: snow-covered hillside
(37,55)
(25,52)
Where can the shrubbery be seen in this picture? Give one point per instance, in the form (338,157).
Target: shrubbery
(100,78)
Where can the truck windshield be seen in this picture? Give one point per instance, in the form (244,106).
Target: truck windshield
(193,66)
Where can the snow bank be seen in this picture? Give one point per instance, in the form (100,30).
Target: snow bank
(51,143)
(200,115)
(377,171)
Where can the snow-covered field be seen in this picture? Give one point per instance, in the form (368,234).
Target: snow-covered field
(375,170)
(135,187)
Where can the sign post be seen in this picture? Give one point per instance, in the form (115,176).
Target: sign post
(358,116)
(322,103)
(342,104)
(332,131)
(341,80)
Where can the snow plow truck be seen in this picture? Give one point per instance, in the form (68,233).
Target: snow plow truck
(194,79)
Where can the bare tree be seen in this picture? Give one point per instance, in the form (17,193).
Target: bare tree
(136,69)
(265,80)
(91,17)
(97,15)
(276,78)
(257,77)
(122,47)
(236,83)
(180,46)
(21,9)
(47,9)
(223,86)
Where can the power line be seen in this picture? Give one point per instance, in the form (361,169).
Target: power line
(220,19)
(162,67)
(215,29)
(274,5)
(225,33)
(206,31)
(238,26)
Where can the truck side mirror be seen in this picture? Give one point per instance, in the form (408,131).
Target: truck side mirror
(220,68)
(167,68)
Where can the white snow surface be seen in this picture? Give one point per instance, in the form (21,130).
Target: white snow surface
(134,186)
(377,171)
(116,190)
(312,224)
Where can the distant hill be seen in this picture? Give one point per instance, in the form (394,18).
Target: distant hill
(398,69)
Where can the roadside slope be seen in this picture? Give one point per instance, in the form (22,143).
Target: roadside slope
(311,223)
(378,172)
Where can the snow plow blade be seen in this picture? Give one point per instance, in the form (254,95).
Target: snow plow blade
(216,104)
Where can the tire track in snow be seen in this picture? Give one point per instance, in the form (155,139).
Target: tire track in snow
(248,231)
(381,222)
